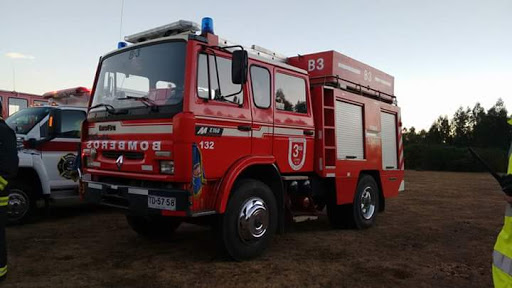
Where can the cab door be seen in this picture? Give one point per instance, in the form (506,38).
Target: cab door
(58,155)
(223,124)
(260,81)
(293,122)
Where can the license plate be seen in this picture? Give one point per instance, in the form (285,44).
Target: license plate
(162,203)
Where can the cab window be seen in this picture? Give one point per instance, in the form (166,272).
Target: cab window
(260,83)
(290,93)
(206,73)
(17,104)
(71,123)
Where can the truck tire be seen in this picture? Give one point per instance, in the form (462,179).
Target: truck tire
(22,203)
(362,212)
(153,226)
(250,221)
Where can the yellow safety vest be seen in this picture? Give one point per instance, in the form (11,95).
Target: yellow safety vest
(502,255)
(4,200)
(3,183)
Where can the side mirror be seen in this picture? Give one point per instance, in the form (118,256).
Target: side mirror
(239,64)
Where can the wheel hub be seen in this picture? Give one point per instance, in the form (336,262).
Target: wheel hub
(253,220)
(18,204)
(367,203)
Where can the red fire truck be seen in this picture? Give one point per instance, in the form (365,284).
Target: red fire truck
(15,101)
(183,125)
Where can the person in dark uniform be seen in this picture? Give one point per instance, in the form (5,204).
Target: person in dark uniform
(8,170)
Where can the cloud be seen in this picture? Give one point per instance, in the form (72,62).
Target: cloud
(16,55)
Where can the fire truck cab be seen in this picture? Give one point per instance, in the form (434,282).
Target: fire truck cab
(183,125)
(48,138)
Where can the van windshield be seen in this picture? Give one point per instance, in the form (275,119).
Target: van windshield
(136,80)
(23,121)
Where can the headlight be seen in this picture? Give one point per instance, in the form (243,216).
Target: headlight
(90,163)
(167,167)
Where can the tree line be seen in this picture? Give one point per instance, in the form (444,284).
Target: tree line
(444,146)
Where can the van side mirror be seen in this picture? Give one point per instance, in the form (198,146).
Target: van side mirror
(239,64)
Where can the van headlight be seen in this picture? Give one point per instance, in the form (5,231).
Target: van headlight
(19,143)
(167,167)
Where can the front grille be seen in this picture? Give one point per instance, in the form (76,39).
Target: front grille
(127,155)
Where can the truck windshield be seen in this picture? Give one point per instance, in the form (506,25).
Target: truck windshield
(133,80)
(23,121)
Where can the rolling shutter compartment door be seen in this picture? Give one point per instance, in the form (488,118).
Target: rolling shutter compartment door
(349,131)
(388,134)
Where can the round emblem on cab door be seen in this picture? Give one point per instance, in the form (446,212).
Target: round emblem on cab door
(65,165)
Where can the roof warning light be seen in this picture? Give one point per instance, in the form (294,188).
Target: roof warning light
(121,44)
(207,26)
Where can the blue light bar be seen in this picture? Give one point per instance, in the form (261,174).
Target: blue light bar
(207,25)
(121,44)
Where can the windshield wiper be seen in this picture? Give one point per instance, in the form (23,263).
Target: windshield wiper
(110,109)
(144,99)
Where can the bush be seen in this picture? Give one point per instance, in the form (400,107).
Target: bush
(451,158)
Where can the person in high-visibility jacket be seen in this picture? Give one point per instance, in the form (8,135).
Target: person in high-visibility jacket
(8,170)
(502,255)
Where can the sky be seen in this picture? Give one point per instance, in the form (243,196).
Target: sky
(443,54)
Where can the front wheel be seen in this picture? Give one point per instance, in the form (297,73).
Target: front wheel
(250,221)
(22,205)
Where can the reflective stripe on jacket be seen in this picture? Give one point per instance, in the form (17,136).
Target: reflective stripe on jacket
(502,255)
(3,183)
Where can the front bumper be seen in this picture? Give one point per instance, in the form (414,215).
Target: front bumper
(135,199)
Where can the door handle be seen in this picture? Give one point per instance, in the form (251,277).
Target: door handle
(244,127)
(308,132)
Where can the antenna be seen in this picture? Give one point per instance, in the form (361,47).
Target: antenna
(121,24)
(13,78)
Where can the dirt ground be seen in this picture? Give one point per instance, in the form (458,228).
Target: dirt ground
(439,233)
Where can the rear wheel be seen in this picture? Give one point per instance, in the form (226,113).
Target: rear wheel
(250,221)
(153,226)
(22,203)
(362,212)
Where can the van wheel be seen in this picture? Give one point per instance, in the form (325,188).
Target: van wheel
(250,220)
(153,226)
(22,204)
(362,212)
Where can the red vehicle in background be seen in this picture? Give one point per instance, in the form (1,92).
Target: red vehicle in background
(182,126)
(15,101)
